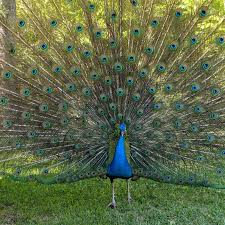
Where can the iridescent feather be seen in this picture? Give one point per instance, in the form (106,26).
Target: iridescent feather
(80,68)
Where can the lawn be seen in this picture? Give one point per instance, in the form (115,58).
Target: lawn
(85,203)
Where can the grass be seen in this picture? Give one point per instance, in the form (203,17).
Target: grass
(85,203)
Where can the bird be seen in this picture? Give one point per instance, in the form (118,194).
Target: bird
(120,167)
(117,89)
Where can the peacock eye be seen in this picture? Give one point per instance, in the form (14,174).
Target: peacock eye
(12,50)
(168,88)
(173,47)
(136,32)
(206,66)
(221,39)
(215,92)
(18,171)
(22,23)
(219,170)
(182,68)
(87,54)
(154,23)
(91,7)
(149,51)
(79,28)
(178,14)
(53,23)
(57,69)
(45,171)
(7,75)
(134,2)
(193,40)
(203,12)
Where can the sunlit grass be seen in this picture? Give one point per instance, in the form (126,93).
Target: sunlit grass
(85,202)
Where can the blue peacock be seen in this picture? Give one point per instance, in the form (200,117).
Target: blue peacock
(118,89)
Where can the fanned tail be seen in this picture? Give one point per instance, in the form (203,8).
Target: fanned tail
(79,68)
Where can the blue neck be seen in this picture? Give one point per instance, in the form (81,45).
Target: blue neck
(120,166)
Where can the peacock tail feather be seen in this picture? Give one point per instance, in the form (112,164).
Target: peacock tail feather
(79,68)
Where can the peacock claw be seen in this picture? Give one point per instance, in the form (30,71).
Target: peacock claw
(112,205)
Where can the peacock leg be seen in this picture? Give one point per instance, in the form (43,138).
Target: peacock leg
(113,203)
(128,191)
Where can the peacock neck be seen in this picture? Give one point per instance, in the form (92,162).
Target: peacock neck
(120,166)
(120,150)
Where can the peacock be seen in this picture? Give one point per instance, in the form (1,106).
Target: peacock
(114,89)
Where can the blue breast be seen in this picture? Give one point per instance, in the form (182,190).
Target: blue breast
(120,167)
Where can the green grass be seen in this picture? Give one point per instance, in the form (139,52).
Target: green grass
(85,203)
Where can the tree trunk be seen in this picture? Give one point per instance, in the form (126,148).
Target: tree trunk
(7,44)
(7,39)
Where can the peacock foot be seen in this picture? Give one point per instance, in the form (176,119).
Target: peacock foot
(112,205)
